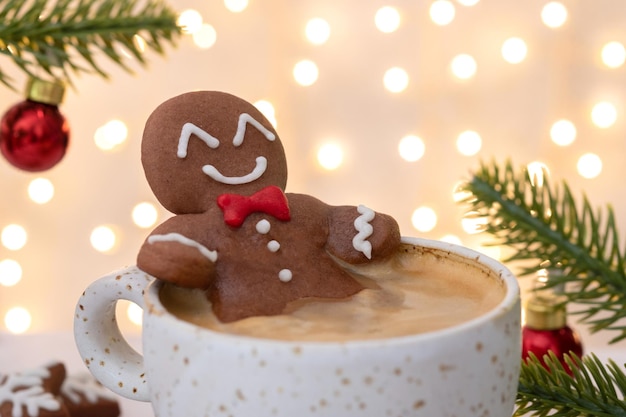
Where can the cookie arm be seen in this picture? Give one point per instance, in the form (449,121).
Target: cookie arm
(171,254)
(359,234)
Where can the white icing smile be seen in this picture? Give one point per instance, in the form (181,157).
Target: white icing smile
(256,173)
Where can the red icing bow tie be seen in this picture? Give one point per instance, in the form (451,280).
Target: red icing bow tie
(270,200)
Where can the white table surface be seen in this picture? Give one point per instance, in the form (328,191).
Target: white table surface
(20,352)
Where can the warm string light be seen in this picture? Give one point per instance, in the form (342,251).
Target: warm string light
(203,34)
(442,12)
(13,237)
(514,50)
(111,135)
(236,6)
(41,190)
(411,148)
(205,37)
(604,114)
(330,156)
(10,272)
(554,14)
(190,21)
(468,143)
(103,238)
(305,72)
(424,219)
(387,19)
(613,54)
(145,215)
(563,132)
(450,238)
(135,314)
(396,80)
(267,108)
(317,31)
(589,165)
(463,66)
(17,320)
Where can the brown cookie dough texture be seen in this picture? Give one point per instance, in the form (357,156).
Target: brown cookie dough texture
(258,262)
(84,396)
(47,392)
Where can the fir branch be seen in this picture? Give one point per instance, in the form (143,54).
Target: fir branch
(63,37)
(546,227)
(593,389)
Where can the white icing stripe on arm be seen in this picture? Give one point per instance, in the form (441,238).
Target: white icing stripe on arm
(365,230)
(177,237)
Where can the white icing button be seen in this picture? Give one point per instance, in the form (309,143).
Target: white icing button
(285,275)
(263,227)
(273,245)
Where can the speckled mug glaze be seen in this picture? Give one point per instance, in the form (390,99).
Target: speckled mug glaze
(467,370)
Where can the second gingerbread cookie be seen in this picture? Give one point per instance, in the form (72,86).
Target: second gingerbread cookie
(216,162)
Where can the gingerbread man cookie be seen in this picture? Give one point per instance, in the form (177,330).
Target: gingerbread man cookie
(216,162)
(33,392)
(84,396)
(48,391)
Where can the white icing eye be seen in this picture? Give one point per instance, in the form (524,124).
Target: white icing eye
(191,129)
(273,245)
(263,227)
(244,119)
(285,275)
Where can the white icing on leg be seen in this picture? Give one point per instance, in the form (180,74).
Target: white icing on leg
(177,237)
(365,230)
(257,172)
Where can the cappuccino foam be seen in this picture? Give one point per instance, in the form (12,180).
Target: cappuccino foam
(416,291)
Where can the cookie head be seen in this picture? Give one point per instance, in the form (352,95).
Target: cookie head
(202,144)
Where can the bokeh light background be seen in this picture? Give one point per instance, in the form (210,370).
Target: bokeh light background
(384,103)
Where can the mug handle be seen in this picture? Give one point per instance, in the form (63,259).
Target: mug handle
(105,351)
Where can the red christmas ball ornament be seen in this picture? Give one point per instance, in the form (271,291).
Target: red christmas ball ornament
(34,135)
(546,329)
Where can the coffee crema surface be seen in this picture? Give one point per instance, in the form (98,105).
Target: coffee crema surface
(418,290)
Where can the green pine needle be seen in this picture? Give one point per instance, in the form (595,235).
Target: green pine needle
(593,389)
(61,37)
(547,228)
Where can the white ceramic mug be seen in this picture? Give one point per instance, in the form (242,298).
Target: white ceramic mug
(467,370)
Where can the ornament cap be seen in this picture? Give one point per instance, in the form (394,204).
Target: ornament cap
(47,92)
(546,311)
